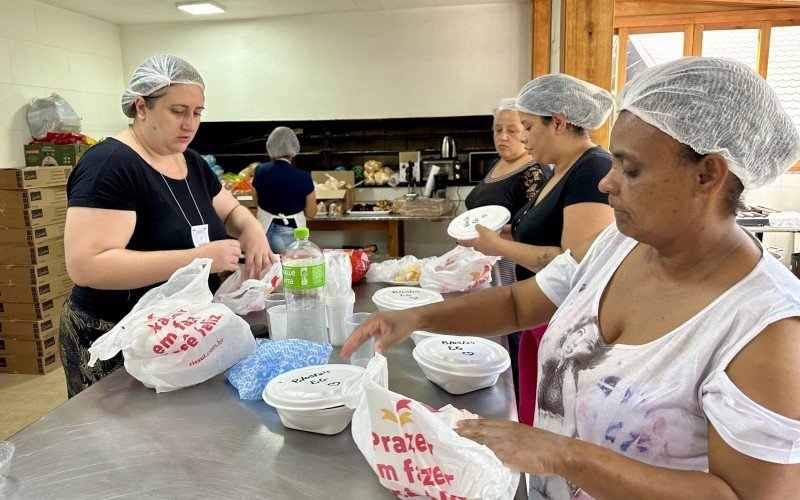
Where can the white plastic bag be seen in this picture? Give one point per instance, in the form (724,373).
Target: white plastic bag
(246,296)
(459,270)
(404,270)
(52,114)
(175,336)
(413,449)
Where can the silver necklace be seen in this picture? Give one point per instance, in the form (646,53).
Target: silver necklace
(153,165)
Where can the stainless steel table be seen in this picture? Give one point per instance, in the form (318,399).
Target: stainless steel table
(118,439)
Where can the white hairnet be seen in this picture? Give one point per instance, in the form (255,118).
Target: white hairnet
(718,106)
(156,73)
(506,104)
(582,104)
(282,143)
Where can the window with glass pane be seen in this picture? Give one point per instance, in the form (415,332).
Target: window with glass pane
(783,70)
(741,45)
(650,49)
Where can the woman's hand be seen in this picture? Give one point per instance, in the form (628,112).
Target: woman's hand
(257,254)
(518,446)
(488,242)
(388,328)
(225,254)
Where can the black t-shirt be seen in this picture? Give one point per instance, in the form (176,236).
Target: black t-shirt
(542,224)
(512,190)
(113,176)
(282,189)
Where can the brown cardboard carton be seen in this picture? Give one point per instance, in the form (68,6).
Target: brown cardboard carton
(38,253)
(30,348)
(7,345)
(33,177)
(28,365)
(33,217)
(31,311)
(32,275)
(30,330)
(346,195)
(22,237)
(36,293)
(33,197)
(47,154)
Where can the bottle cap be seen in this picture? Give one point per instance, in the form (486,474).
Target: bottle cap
(301,232)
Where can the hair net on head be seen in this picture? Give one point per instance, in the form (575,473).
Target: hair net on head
(506,104)
(156,73)
(718,106)
(583,104)
(282,143)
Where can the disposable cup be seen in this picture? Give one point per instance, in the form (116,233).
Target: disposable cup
(364,353)
(272,300)
(6,452)
(336,310)
(277,322)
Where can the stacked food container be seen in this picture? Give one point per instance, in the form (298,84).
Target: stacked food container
(33,275)
(397,298)
(461,364)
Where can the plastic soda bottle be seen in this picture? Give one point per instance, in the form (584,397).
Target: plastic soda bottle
(304,286)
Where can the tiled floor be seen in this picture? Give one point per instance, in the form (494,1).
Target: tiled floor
(26,398)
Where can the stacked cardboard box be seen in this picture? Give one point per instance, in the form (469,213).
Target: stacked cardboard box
(33,275)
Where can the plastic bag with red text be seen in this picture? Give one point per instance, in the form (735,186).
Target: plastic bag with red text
(175,337)
(413,449)
(246,296)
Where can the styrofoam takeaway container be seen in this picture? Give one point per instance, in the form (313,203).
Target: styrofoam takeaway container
(461,364)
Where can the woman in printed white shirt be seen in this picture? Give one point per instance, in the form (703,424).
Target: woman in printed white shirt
(669,369)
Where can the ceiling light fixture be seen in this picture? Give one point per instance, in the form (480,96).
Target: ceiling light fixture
(200,8)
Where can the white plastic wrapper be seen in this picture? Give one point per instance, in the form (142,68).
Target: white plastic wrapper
(175,336)
(414,450)
(52,114)
(407,269)
(459,270)
(246,296)
(338,273)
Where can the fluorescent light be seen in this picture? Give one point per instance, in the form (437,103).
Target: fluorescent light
(200,8)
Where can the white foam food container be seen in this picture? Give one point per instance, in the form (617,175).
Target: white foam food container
(461,364)
(397,298)
(418,335)
(492,216)
(310,399)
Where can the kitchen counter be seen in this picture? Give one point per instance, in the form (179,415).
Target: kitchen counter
(118,439)
(393,224)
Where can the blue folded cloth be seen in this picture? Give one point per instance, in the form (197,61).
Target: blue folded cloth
(271,358)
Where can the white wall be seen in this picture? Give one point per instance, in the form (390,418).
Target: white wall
(45,49)
(387,64)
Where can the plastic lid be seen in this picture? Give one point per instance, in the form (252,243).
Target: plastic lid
(301,232)
(404,297)
(492,216)
(462,355)
(309,388)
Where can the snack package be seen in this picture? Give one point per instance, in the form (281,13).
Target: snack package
(459,270)
(406,269)
(414,450)
(246,296)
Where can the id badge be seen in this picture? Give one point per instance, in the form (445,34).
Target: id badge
(200,235)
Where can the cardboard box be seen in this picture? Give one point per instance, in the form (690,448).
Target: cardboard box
(33,197)
(32,275)
(48,154)
(36,293)
(33,217)
(29,348)
(247,198)
(25,236)
(38,253)
(30,330)
(33,177)
(31,311)
(346,195)
(32,366)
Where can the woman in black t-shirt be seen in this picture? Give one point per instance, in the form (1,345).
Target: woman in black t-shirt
(141,206)
(555,111)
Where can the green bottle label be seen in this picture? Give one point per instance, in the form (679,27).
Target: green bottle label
(304,277)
